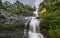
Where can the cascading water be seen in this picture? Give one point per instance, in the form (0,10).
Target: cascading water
(34,29)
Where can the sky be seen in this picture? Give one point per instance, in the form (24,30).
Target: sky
(28,2)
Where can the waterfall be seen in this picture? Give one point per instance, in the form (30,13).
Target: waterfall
(34,27)
(34,30)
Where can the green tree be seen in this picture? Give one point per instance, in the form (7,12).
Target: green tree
(0,2)
(51,18)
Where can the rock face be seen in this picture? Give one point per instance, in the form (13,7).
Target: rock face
(7,3)
(28,14)
(12,33)
(13,19)
(27,2)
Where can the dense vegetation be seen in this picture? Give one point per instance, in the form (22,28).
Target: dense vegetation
(16,8)
(51,18)
(49,10)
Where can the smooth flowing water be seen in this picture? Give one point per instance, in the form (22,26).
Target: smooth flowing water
(34,27)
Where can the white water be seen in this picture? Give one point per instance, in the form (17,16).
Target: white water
(34,27)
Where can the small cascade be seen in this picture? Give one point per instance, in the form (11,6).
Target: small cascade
(35,13)
(34,27)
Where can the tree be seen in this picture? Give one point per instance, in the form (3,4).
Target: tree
(51,19)
(0,2)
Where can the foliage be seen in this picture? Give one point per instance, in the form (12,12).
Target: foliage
(51,18)
(16,8)
(10,27)
(0,2)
